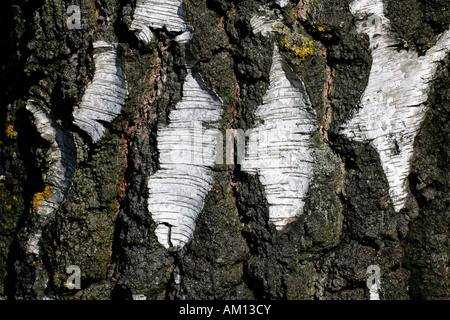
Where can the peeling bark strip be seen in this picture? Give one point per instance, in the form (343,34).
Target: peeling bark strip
(187,155)
(105,95)
(158,14)
(61,157)
(279,149)
(393,103)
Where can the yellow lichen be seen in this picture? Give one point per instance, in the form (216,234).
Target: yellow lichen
(39,198)
(295,40)
(10,133)
(278,26)
(305,50)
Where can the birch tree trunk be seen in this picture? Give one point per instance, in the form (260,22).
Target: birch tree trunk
(214,149)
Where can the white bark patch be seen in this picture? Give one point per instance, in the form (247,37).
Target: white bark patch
(105,95)
(282,3)
(61,157)
(262,25)
(186,156)
(279,149)
(393,103)
(157,14)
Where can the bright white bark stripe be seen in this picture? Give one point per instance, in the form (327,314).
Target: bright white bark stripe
(105,95)
(393,103)
(279,149)
(160,14)
(186,156)
(62,159)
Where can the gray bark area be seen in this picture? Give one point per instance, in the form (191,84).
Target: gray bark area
(103,225)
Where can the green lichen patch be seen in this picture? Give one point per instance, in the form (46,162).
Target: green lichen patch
(323,206)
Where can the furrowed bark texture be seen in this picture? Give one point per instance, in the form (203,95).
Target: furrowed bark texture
(215,149)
